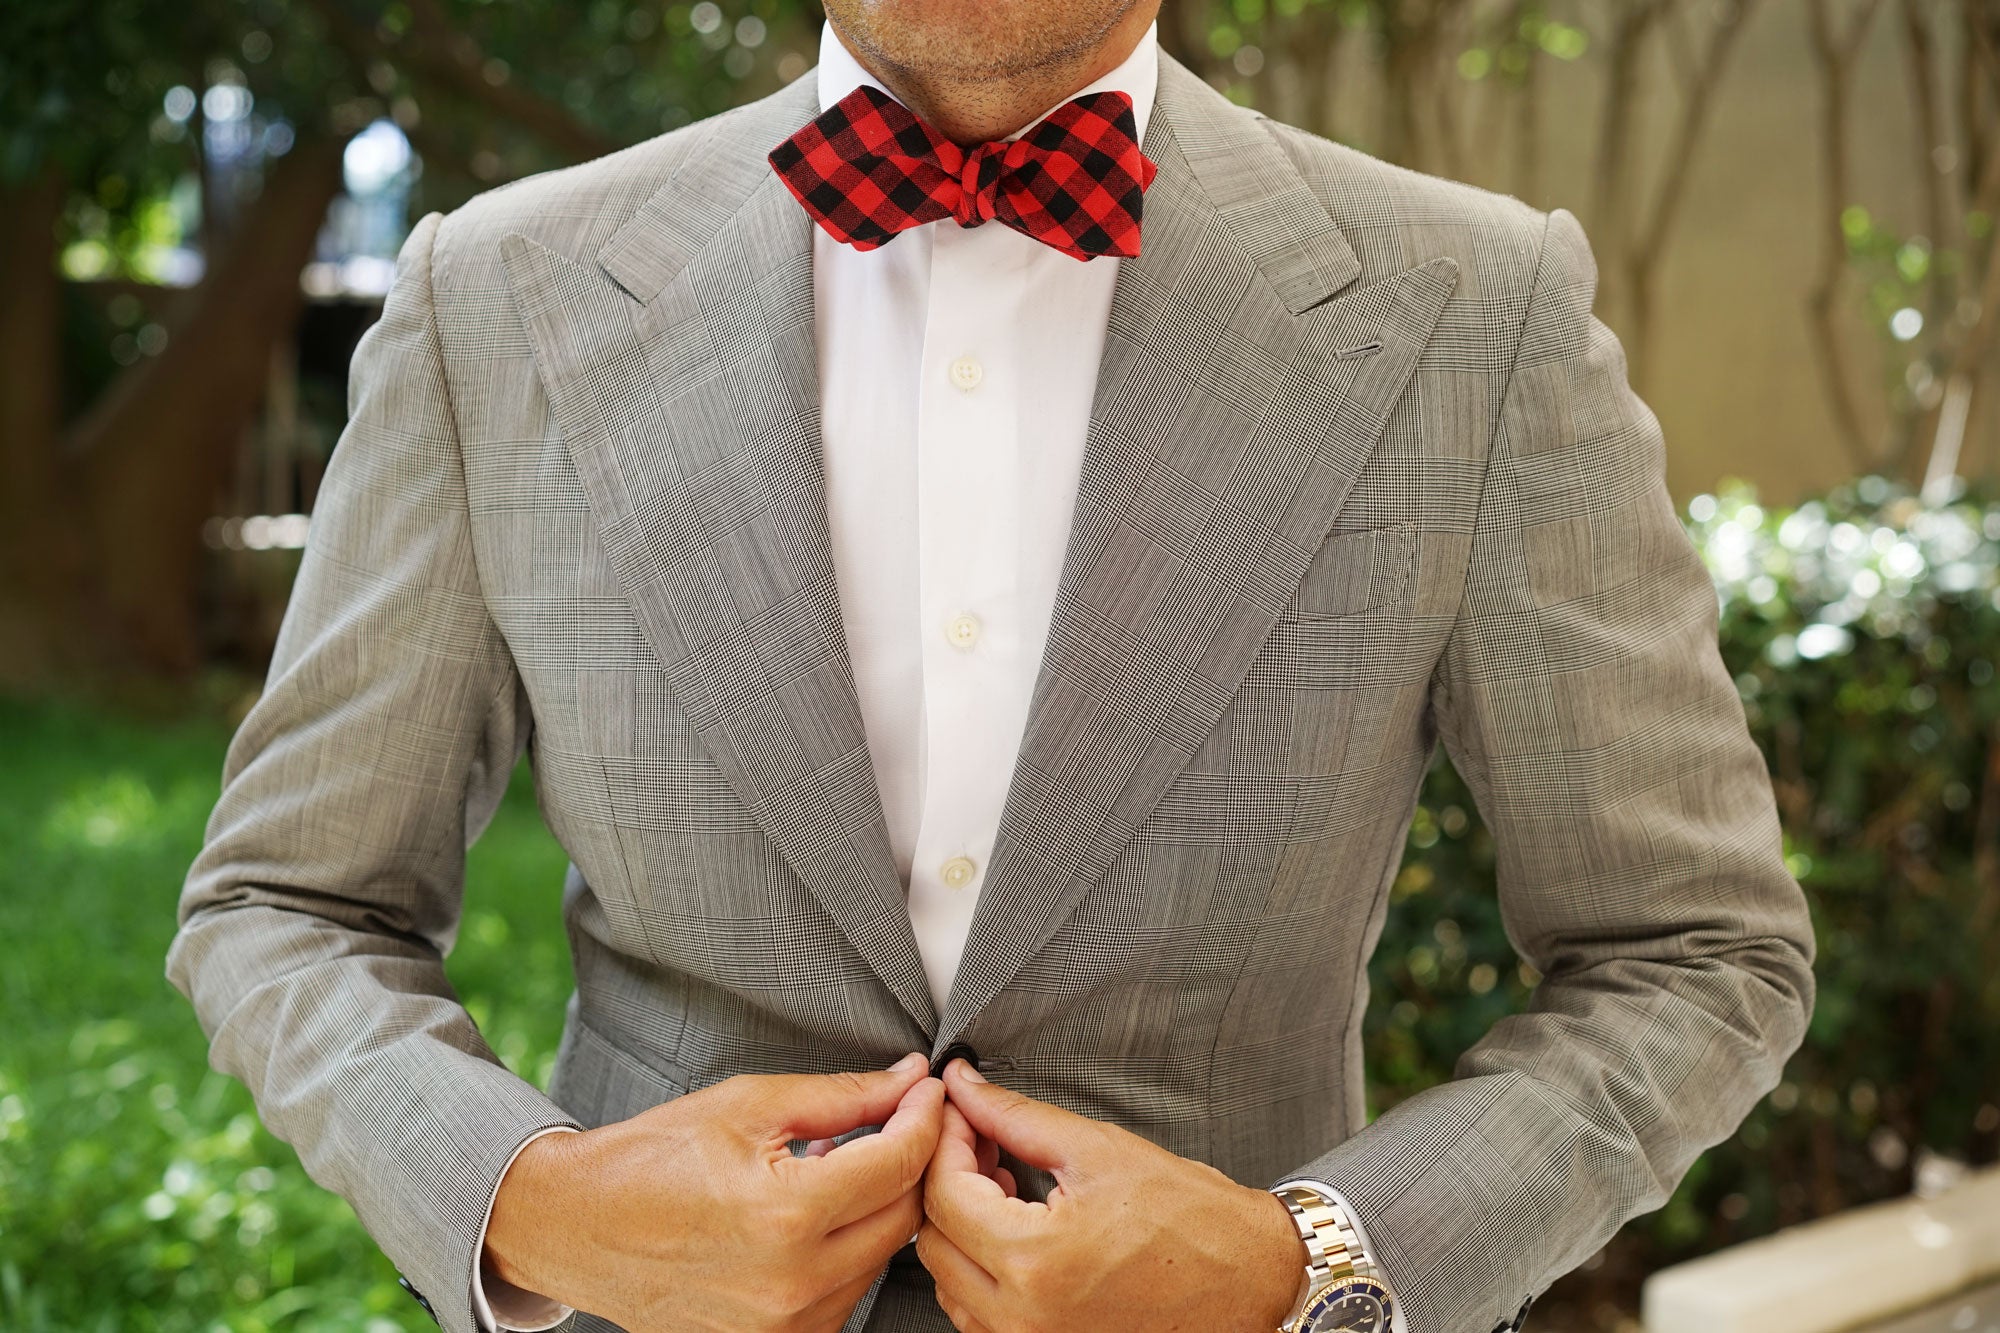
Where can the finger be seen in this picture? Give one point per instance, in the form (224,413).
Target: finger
(818,1148)
(988,1153)
(1005,1180)
(961,1320)
(976,1213)
(957,1148)
(811,1106)
(869,1242)
(966,1290)
(862,1174)
(1036,1132)
(831,1310)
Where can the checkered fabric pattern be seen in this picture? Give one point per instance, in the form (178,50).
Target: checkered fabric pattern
(1364,475)
(868,168)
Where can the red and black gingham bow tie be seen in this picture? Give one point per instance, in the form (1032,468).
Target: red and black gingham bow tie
(867,168)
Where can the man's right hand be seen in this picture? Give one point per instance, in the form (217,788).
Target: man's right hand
(695,1215)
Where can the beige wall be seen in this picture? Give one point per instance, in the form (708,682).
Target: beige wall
(1733,378)
(1731,372)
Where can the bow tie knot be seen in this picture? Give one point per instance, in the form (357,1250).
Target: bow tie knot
(977,192)
(867,169)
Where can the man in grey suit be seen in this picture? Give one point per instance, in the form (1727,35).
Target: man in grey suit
(1344,467)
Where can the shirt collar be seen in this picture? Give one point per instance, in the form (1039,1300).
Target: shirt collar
(1137,75)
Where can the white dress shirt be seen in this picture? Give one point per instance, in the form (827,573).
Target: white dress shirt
(956,370)
(956,367)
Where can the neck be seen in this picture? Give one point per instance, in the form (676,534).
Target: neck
(988,107)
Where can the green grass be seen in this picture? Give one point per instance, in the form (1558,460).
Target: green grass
(137,1189)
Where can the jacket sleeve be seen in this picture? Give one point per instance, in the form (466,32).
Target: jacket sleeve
(1583,698)
(315,921)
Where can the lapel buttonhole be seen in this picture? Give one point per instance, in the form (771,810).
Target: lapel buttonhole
(1366,349)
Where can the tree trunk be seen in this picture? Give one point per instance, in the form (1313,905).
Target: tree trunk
(40,549)
(158,446)
(128,487)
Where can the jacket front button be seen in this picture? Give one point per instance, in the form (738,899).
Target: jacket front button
(958,1050)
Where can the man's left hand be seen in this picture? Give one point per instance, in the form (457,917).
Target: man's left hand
(1131,1237)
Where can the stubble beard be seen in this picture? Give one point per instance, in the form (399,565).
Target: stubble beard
(991,52)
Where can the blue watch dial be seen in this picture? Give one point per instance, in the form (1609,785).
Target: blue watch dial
(1351,1305)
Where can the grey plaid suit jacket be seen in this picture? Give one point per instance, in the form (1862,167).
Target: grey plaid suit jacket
(1363,474)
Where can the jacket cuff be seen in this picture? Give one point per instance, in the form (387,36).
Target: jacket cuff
(1400,1178)
(498,1305)
(438,1254)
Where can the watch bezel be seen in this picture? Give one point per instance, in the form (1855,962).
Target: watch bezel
(1339,1289)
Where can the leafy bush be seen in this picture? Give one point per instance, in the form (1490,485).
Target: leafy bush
(1863,631)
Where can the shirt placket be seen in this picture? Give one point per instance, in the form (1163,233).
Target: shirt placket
(968,514)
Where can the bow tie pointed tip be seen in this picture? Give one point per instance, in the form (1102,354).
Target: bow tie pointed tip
(867,169)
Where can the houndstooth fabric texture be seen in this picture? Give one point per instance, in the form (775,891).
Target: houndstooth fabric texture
(867,168)
(1364,474)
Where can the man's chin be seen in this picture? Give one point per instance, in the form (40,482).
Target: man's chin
(974,41)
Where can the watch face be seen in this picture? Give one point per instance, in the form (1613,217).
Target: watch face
(1351,1305)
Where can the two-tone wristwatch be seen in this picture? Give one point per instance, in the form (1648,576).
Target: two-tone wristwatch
(1344,1291)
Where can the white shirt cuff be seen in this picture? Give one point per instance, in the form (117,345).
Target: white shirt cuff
(504,1307)
(1332,1195)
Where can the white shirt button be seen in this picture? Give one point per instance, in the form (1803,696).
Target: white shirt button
(957,872)
(962,631)
(966,372)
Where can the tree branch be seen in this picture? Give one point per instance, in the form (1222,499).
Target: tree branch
(1836,55)
(1968,360)
(1697,101)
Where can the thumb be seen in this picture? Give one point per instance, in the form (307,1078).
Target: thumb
(1037,1133)
(821,1106)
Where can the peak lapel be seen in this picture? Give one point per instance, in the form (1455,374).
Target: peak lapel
(681,370)
(1224,437)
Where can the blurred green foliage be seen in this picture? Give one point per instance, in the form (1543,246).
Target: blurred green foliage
(138,1191)
(1863,631)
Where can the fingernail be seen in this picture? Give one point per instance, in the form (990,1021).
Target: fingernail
(913,1060)
(966,1068)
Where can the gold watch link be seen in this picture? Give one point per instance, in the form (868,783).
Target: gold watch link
(1333,1250)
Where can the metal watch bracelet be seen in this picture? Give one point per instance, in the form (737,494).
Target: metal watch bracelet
(1333,1248)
